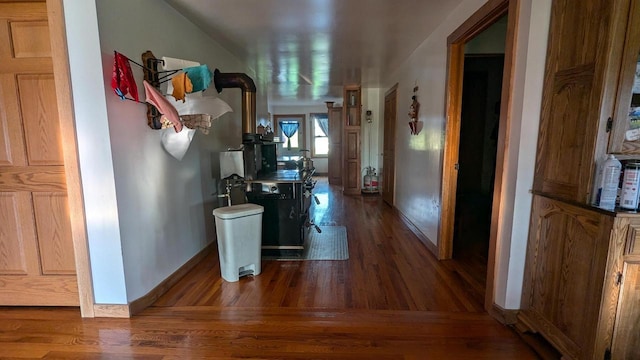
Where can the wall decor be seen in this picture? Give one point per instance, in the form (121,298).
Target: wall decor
(414,109)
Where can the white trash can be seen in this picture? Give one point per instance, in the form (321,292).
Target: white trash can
(239,232)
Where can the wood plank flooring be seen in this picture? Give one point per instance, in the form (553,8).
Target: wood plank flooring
(390,300)
(388,269)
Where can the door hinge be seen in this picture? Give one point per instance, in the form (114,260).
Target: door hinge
(456,166)
(609,124)
(618,278)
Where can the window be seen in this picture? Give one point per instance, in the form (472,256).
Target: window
(294,126)
(320,135)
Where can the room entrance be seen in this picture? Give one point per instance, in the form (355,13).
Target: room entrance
(479,75)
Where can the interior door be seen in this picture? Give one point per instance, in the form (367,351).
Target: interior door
(37,265)
(389,147)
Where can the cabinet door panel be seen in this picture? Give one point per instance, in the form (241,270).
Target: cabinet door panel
(626,338)
(576,101)
(566,263)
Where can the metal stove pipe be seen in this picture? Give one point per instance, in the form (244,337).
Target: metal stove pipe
(248,87)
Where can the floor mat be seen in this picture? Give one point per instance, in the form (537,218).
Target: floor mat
(330,244)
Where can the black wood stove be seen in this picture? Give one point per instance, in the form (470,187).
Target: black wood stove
(286,198)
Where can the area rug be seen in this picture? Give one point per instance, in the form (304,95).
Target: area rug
(330,244)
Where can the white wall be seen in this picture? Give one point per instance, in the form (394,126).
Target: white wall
(533,30)
(489,41)
(419,158)
(164,205)
(94,147)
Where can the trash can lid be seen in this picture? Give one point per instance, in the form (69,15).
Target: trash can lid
(236,211)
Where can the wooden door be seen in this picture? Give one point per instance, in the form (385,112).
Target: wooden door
(564,274)
(335,144)
(389,147)
(583,59)
(37,265)
(351,173)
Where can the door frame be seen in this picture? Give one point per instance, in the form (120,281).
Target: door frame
(478,22)
(62,78)
(392,89)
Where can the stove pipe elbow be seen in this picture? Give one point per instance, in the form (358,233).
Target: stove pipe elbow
(248,87)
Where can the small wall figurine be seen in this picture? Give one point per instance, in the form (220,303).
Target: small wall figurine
(414,109)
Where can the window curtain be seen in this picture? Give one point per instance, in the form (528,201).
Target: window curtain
(289,128)
(323,122)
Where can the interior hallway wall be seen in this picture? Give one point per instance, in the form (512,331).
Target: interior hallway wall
(419,157)
(154,211)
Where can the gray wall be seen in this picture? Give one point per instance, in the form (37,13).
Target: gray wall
(147,212)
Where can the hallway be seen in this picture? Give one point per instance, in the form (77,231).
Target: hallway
(391,300)
(388,269)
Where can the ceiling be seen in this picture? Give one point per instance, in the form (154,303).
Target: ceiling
(306,50)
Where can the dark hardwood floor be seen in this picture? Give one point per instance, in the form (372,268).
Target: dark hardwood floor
(391,300)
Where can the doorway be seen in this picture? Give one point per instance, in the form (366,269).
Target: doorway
(458,149)
(389,146)
(477,165)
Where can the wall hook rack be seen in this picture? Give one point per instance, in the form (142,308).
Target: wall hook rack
(154,77)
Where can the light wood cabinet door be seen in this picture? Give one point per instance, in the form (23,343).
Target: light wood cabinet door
(564,275)
(351,178)
(37,264)
(580,79)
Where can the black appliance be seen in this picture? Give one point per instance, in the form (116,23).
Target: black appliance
(259,160)
(286,198)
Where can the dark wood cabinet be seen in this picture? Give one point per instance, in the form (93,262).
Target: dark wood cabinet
(351,141)
(335,160)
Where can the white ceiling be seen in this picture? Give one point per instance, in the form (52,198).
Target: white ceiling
(308,49)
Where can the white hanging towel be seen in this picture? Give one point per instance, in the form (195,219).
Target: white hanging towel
(177,144)
(203,105)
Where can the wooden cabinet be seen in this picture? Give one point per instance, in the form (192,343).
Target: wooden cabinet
(625,137)
(583,61)
(581,287)
(351,140)
(626,336)
(565,272)
(582,280)
(335,161)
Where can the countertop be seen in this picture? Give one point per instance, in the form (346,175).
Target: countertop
(293,176)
